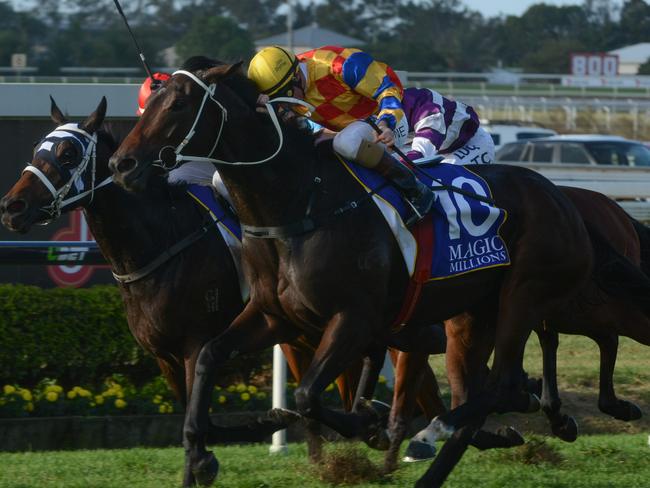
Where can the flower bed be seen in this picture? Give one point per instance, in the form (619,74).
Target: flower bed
(119,397)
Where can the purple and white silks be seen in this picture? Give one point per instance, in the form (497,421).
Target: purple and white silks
(440,125)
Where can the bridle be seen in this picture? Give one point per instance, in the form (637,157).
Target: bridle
(46,150)
(209,95)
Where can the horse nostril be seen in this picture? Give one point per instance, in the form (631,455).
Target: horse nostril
(126,165)
(16,206)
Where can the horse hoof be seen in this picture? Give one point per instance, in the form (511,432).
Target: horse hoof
(567,430)
(378,440)
(623,410)
(419,451)
(534,405)
(205,471)
(512,436)
(382,410)
(283,416)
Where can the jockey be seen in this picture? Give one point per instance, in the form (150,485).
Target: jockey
(346,86)
(444,127)
(198,172)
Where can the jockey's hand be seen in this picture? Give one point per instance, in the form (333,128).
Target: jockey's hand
(386,136)
(262,100)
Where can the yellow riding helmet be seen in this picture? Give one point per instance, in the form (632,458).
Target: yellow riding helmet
(272,69)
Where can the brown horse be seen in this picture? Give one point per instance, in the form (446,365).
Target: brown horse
(157,318)
(602,315)
(331,264)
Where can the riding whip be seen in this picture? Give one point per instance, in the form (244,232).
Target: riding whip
(414,166)
(135,41)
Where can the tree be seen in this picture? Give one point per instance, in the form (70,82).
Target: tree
(644,69)
(216,37)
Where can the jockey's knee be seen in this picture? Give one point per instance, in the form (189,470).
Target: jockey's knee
(356,143)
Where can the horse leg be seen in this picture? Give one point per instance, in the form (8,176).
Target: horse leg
(346,336)
(372,364)
(562,425)
(174,374)
(408,377)
(298,361)
(429,398)
(250,332)
(607,401)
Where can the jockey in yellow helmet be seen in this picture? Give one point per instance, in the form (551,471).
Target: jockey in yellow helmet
(346,87)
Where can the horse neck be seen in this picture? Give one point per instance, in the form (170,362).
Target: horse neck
(132,230)
(271,193)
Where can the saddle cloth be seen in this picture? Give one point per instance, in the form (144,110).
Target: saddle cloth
(459,236)
(227,225)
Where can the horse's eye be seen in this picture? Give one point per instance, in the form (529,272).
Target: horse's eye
(68,156)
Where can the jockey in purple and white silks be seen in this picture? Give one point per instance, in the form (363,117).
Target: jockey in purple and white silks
(442,127)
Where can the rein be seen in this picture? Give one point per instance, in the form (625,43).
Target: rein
(166,255)
(59,201)
(209,95)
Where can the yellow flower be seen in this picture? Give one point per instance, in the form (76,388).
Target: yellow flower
(83,393)
(382,379)
(157,399)
(71,394)
(222,399)
(252,389)
(119,394)
(51,396)
(241,387)
(29,407)
(330,387)
(218,388)
(261,395)
(170,409)
(27,396)
(162,408)
(8,389)
(245,396)
(57,388)
(119,403)
(231,388)
(99,400)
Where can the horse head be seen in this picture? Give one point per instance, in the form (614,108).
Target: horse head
(62,172)
(188,118)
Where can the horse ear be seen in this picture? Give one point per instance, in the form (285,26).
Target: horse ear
(56,114)
(224,71)
(94,120)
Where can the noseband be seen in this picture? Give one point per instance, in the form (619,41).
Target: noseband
(47,151)
(209,95)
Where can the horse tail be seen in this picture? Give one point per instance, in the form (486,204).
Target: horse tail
(643,231)
(618,276)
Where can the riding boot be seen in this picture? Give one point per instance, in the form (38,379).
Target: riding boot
(418,195)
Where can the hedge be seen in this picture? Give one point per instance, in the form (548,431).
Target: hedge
(78,336)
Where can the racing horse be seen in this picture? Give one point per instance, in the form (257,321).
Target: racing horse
(318,257)
(155,302)
(601,316)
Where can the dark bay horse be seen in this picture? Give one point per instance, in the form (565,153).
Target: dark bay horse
(604,314)
(332,265)
(156,306)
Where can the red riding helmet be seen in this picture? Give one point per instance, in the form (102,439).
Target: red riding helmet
(145,90)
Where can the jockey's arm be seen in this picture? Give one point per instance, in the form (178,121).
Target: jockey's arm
(376,80)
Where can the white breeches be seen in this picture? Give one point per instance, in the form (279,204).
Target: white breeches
(347,142)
